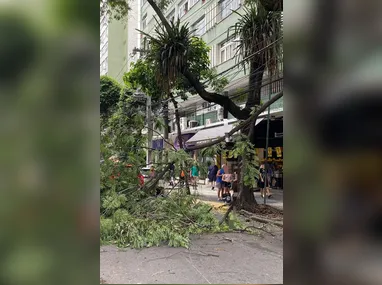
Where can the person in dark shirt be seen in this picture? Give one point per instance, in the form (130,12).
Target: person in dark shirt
(212,172)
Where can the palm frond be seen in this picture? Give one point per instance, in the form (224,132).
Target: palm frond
(259,31)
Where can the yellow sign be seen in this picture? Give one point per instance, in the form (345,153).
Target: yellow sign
(270,150)
(278,151)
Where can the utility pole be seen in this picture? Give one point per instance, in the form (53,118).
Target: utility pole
(142,96)
(149,129)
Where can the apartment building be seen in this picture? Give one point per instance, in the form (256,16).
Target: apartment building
(211,20)
(117,42)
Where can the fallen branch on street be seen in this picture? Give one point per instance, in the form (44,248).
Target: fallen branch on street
(257,228)
(226,215)
(262,220)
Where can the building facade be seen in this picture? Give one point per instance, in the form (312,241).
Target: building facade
(117,42)
(211,20)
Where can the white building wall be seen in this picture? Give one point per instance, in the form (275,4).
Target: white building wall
(133,36)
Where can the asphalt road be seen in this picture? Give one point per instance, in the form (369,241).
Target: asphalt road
(230,258)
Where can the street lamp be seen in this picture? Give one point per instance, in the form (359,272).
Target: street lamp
(142,96)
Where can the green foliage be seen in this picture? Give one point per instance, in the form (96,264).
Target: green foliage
(260,33)
(116,9)
(131,216)
(242,150)
(250,162)
(119,9)
(216,82)
(110,91)
(171,53)
(154,221)
(142,74)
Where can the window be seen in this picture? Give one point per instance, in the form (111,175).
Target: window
(183,9)
(211,13)
(144,21)
(227,6)
(199,27)
(228,49)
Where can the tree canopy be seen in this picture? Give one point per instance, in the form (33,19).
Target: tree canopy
(110,91)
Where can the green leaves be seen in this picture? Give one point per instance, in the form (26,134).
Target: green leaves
(110,91)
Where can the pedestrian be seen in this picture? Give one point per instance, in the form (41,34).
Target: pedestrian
(212,172)
(194,175)
(219,182)
(264,187)
(182,178)
(152,172)
(270,173)
(141,179)
(172,173)
(227,184)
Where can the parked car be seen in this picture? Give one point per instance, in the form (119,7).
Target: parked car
(145,172)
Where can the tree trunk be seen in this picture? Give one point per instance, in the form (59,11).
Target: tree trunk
(256,72)
(245,199)
(165,132)
(180,139)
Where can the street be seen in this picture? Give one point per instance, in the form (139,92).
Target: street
(226,258)
(229,258)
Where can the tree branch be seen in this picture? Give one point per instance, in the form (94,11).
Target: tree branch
(224,101)
(165,140)
(154,182)
(242,125)
(161,16)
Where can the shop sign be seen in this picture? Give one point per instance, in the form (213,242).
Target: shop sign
(278,151)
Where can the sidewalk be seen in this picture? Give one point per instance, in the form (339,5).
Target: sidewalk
(211,195)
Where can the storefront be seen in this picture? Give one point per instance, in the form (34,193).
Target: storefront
(273,155)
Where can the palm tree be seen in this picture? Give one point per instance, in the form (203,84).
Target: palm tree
(259,31)
(260,46)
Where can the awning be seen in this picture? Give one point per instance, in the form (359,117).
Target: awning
(213,133)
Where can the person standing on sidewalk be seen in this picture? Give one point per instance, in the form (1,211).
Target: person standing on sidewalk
(212,172)
(172,174)
(194,175)
(219,182)
(264,189)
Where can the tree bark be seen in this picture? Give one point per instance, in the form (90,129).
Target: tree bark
(255,82)
(224,101)
(180,139)
(245,199)
(165,132)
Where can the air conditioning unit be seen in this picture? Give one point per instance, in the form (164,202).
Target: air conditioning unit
(205,104)
(183,123)
(192,124)
(208,122)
